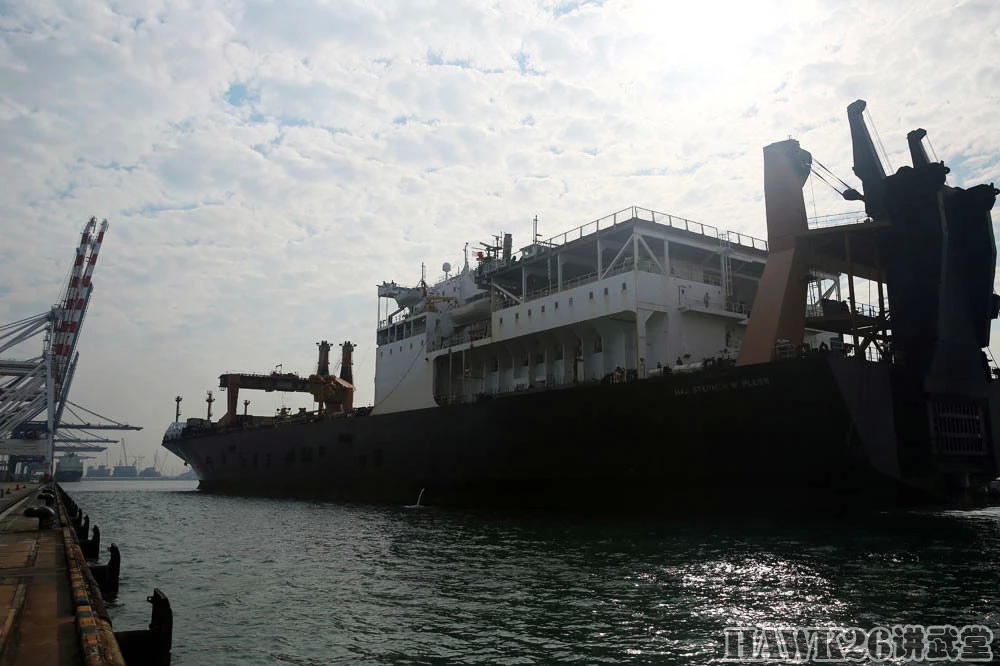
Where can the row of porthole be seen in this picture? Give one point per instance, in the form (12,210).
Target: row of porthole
(400,348)
(306,454)
(517,315)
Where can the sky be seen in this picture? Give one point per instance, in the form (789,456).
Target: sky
(264,165)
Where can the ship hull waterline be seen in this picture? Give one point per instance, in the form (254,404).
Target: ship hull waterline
(818,432)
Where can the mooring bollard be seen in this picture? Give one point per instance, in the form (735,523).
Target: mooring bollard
(46,516)
(150,646)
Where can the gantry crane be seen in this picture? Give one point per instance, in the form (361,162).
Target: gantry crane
(40,384)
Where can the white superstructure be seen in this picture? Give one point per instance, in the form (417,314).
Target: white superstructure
(619,298)
(69,465)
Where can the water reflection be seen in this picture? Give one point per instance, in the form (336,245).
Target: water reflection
(264,581)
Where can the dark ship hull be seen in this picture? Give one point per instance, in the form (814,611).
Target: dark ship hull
(826,429)
(823,431)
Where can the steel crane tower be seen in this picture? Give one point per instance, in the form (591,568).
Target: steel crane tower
(40,384)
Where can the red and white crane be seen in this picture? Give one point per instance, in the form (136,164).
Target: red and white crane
(41,383)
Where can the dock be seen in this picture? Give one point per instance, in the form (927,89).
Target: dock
(51,605)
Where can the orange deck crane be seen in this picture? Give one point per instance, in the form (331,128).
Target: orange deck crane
(335,395)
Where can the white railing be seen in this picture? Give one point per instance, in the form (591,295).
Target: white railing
(843,308)
(837,220)
(637,213)
(458,339)
(624,267)
(714,304)
(696,276)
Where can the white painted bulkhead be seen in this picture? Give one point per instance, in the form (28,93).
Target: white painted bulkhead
(402,376)
(617,304)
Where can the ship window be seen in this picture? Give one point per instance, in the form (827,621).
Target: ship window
(529,312)
(557,353)
(598,344)
(377,458)
(605,291)
(517,315)
(411,345)
(496,364)
(307,454)
(591,295)
(321,451)
(345,438)
(526,359)
(256,460)
(390,352)
(543,308)
(624,286)
(501,320)
(539,358)
(571,300)
(290,456)
(557,305)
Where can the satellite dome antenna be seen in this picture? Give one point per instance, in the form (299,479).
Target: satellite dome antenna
(446,267)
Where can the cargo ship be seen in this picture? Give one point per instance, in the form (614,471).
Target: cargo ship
(99,472)
(151,472)
(69,468)
(646,361)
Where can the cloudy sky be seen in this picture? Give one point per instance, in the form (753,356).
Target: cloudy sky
(263,165)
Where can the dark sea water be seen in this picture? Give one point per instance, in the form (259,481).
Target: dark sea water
(255,581)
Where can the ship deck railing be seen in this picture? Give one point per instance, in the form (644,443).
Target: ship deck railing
(645,214)
(270,422)
(452,340)
(710,304)
(644,265)
(838,220)
(627,265)
(836,308)
(784,350)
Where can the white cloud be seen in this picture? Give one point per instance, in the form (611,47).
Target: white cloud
(264,165)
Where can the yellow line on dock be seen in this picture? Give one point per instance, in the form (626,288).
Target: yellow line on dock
(51,617)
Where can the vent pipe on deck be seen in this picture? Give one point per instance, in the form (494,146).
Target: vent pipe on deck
(346,362)
(323,365)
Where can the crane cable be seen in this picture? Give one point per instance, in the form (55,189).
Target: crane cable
(846,186)
(878,139)
(832,186)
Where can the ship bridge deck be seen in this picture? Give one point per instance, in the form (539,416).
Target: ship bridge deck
(619,226)
(635,239)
